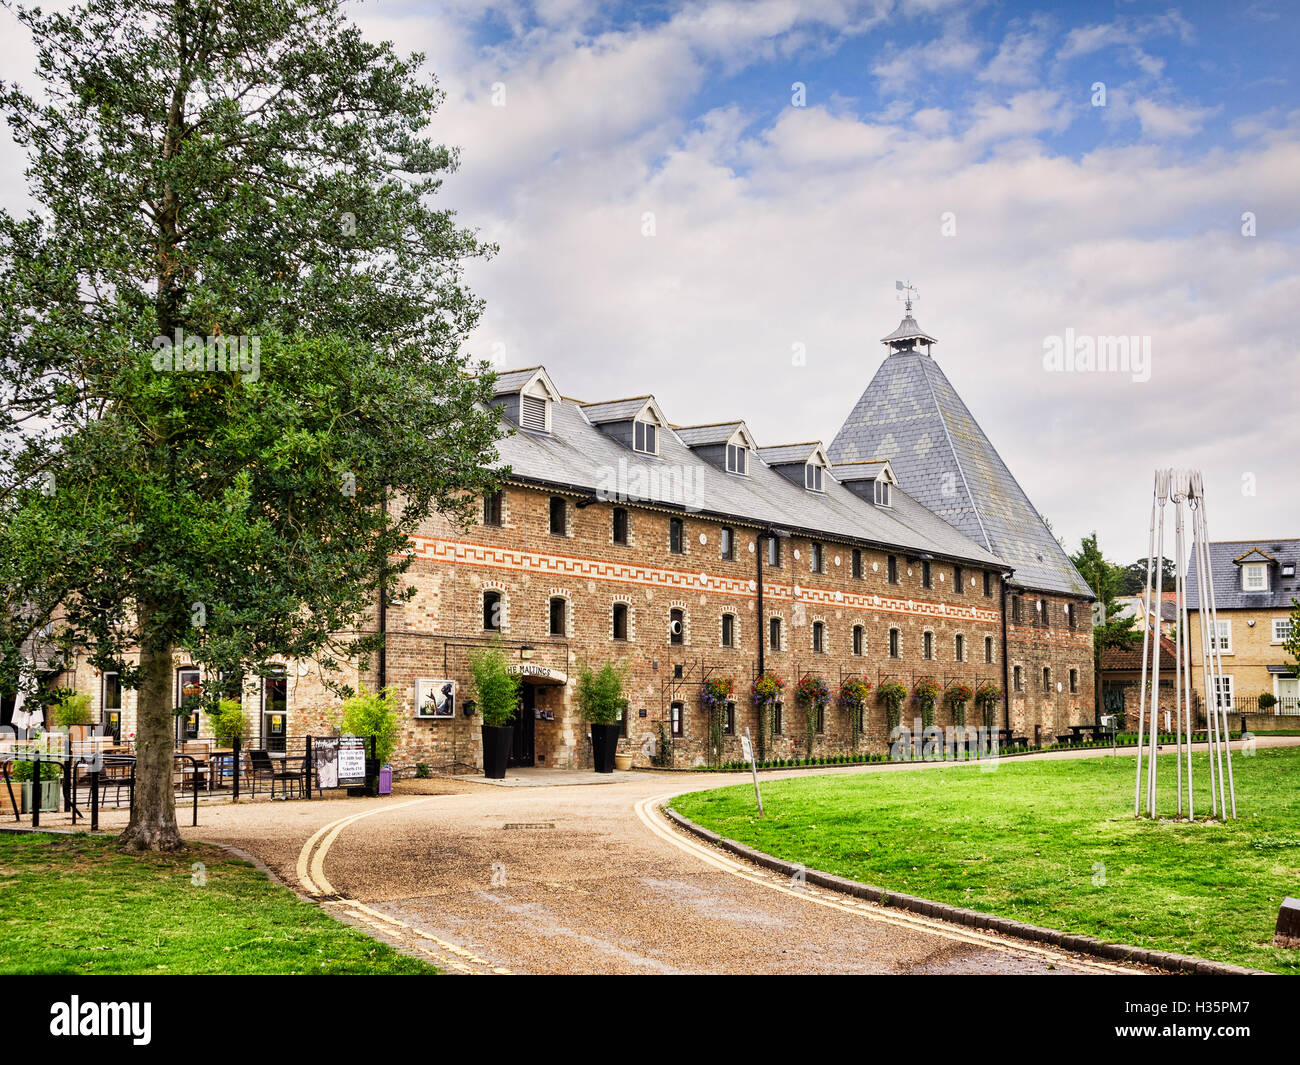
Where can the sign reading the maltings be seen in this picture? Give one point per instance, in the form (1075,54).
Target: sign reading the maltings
(527,669)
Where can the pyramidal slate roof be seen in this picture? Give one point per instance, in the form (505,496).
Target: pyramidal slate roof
(911,415)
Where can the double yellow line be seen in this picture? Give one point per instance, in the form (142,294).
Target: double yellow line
(314,882)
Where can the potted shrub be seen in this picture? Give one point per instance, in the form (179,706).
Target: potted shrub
(497,691)
(601,702)
(23,771)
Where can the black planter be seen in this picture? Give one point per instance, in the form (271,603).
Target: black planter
(604,745)
(496,750)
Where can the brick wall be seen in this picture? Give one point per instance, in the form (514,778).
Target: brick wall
(432,635)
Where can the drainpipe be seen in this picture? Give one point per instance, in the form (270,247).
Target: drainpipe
(1006,665)
(762,621)
(383,614)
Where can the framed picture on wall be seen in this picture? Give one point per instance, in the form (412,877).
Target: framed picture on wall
(435,698)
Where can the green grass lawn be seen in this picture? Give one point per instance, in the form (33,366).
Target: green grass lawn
(1051,843)
(74,904)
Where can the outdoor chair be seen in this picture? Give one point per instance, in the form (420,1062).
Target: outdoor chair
(116,775)
(262,765)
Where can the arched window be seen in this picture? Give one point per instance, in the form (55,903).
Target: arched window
(819,636)
(728,630)
(676,626)
(557,616)
(620,621)
(491,611)
(895,644)
(959,648)
(859,640)
(927,645)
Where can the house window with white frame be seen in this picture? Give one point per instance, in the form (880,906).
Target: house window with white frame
(1221,637)
(1281,630)
(645,438)
(1223,690)
(1254,577)
(737,459)
(812,477)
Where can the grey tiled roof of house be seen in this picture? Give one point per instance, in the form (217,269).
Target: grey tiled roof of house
(695,435)
(1228,593)
(783,453)
(581,457)
(615,410)
(911,415)
(515,379)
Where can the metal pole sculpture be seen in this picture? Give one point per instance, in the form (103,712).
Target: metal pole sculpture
(1183,488)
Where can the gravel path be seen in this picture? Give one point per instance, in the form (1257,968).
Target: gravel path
(589,879)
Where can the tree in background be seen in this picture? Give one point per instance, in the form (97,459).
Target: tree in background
(1111,628)
(230,333)
(1134,577)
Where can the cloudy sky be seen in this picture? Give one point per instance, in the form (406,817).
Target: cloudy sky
(685,192)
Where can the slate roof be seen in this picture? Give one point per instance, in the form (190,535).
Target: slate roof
(615,410)
(718,433)
(911,415)
(1228,594)
(578,456)
(782,454)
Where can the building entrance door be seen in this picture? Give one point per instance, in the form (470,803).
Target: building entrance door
(521,742)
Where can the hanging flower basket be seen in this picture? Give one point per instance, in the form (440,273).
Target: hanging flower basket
(854,693)
(715,693)
(892,694)
(813,695)
(767,693)
(986,699)
(926,692)
(955,697)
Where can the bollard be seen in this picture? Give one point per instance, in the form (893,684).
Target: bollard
(94,800)
(36,789)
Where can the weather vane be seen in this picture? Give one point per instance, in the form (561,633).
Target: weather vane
(911,293)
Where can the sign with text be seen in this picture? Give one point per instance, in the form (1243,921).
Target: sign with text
(352,761)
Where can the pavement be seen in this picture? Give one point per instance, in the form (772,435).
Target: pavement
(573,878)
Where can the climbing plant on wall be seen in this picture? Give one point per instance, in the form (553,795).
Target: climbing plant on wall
(813,695)
(767,693)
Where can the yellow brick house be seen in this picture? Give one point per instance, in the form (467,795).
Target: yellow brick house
(1255,585)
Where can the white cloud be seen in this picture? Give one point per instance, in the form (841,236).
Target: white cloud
(1161,120)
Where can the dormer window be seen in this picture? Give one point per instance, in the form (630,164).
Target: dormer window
(738,459)
(883,496)
(645,438)
(1254,577)
(812,477)
(534,413)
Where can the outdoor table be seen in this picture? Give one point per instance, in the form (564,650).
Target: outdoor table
(222,761)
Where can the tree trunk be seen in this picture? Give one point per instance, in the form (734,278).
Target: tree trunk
(153,818)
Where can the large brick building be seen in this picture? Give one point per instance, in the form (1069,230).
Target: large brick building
(619,535)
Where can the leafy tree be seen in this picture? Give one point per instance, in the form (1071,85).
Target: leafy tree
(1291,645)
(249,172)
(1112,629)
(1135,576)
(374,714)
